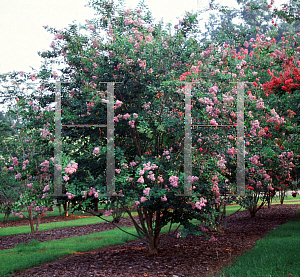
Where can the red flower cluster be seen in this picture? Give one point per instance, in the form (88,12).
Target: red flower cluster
(288,81)
(183,76)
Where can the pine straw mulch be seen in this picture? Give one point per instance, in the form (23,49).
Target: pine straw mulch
(191,256)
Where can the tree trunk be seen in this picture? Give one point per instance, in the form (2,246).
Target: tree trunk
(7,213)
(252,213)
(37,223)
(59,208)
(224,217)
(281,200)
(253,210)
(145,231)
(66,208)
(31,220)
(96,209)
(152,246)
(153,237)
(282,195)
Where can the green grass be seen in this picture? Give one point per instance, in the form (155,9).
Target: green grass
(276,255)
(25,256)
(47,226)
(77,222)
(36,253)
(49,214)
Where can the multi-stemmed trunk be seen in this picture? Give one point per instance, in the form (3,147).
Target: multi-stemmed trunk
(146,231)
(220,219)
(282,195)
(153,235)
(254,208)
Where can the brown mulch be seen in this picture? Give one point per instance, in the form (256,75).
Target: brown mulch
(191,256)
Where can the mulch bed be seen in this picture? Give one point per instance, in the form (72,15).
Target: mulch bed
(191,256)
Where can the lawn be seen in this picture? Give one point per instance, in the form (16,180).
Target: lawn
(276,255)
(280,244)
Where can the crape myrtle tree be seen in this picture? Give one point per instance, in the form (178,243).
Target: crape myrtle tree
(23,88)
(9,189)
(11,90)
(149,118)
(283,24)
(26,150)
(274,69)
(251,14)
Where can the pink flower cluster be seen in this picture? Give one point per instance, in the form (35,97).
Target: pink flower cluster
(254,126)
(166,153)
(46,165)
(164,198)
(142,64)
(260,104)
(206,100)
(108,213)
(131,123)
(201,203)
(275,118)
(254,160)
(70,169)
(215,188)
(231,151)
(45,133)
(174,181)
(18,176)
(141,180)
(146,191)
(118,104)
(146,106)
(213,90)
(160,179)
(192,179)
(91,192)
(143,199)
(24,164)
(284,161)
(70,195)
(96,151)
(132,164)
(46,188)
(269,187)
(151,176)
(15,161)
(20,214)
(213,122)
(126,116)
(222,162)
